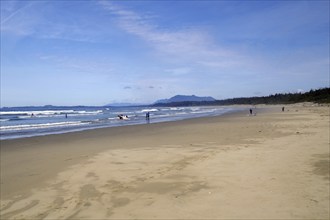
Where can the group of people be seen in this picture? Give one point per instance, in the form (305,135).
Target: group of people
(251,111)
(122,117)
(125,117)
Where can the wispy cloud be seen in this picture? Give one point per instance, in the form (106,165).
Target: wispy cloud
(188,44)
(40,19)
(18,17)
(9,9)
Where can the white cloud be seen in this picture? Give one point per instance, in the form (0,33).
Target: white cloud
(188,44)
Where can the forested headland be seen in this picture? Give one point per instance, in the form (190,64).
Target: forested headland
(317,96)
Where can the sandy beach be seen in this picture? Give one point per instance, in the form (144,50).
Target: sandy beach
(274,165)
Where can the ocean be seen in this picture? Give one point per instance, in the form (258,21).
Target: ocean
(19,122)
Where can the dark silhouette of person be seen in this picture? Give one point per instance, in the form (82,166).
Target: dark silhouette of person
(250,111)
(148,117)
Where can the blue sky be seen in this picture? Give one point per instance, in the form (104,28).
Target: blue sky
(100,52)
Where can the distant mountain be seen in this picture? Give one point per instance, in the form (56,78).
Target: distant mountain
(124,104)
(185,98)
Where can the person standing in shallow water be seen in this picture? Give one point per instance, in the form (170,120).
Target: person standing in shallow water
(148,117)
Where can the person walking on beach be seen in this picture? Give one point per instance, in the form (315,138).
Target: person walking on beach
(283,109)
(250,111)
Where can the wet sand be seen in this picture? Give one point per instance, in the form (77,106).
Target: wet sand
(274,165)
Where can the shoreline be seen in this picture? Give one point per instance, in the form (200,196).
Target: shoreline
(241,109)
(65,130)
(143,171)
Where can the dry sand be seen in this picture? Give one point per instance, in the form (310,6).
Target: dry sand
(271,166)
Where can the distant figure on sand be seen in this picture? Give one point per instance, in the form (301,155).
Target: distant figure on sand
(283,109)
(250,111)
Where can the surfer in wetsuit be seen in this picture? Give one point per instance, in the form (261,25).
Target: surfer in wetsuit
(122,117)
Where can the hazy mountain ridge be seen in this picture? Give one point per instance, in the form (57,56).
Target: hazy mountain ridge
(185,98)
(125,104)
